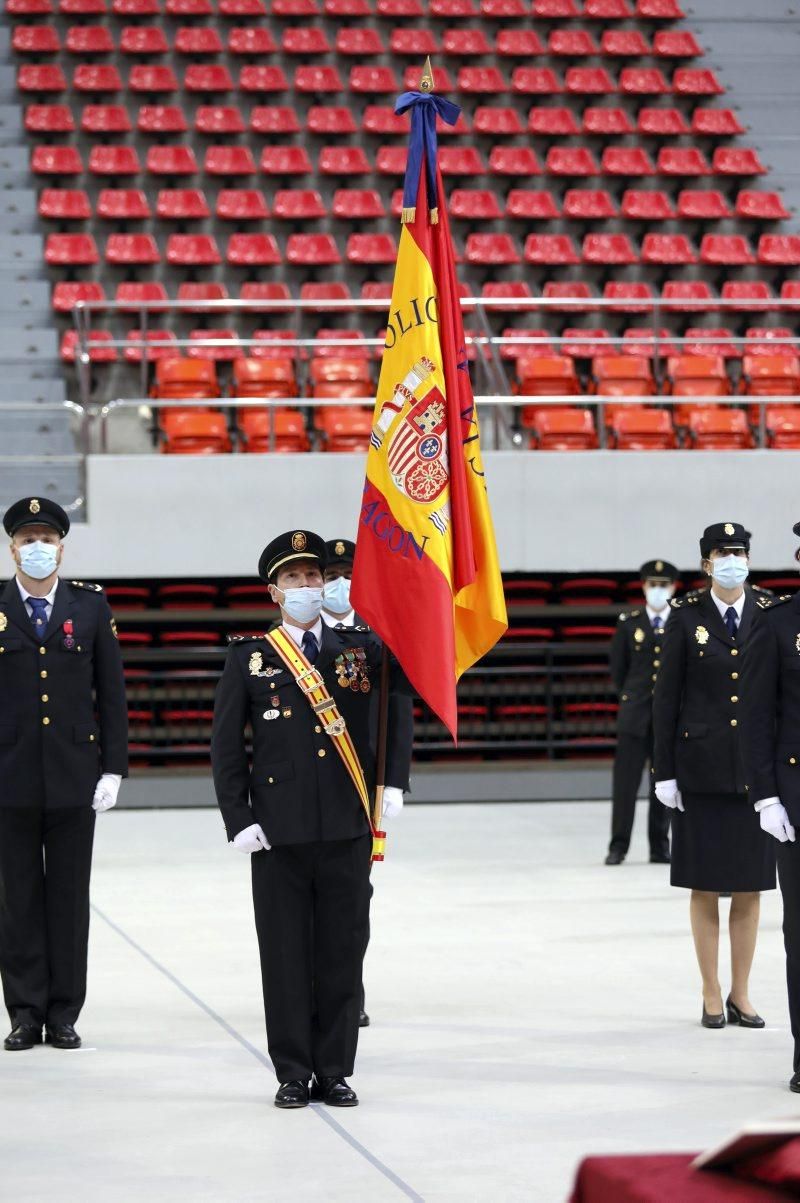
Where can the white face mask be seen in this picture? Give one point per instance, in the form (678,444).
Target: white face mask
(303,605)
(337,595)
(657,596)
(730,571)
(38,560)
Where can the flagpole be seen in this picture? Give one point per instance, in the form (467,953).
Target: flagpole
(383,726)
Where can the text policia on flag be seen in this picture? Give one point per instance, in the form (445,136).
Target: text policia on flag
(426,575)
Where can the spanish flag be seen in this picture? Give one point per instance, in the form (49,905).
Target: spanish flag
(426,575)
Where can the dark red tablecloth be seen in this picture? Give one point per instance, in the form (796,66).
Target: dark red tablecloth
(662,1178)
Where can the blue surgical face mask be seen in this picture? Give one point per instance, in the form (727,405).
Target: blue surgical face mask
(657,596)
(730,571)
(337,595)
(38,560)
(303,605)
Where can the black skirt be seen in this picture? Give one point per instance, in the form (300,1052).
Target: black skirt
(718,845)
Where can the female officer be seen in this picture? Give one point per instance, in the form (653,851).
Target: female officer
(718,846)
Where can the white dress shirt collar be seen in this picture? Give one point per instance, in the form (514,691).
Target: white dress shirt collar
(332,620)
(49,597)
(297,633)
(662,614)
(722,606)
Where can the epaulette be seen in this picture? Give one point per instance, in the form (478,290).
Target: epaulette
(688,599)
(245,638)
(772,601)
(626,614)
(87,585)
(362,628)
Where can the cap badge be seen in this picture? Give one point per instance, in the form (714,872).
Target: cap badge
(659,566)
(34,506)
(729,528)
(339,548)
(638,635)
(298,541)
(701,635)
(256,661)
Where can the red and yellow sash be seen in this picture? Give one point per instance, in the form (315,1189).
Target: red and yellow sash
(311,683)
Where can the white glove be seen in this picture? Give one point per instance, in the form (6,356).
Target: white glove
(775,821)
(669,795)
(252,839)
(105,792)
(392,801)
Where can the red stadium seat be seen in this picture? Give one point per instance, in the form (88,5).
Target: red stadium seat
(702,205)
(197,40)
(589,204)
(264,378)
(252,250)
(391,160)
(373,80)
(371,248)
(310,249)
(492,249)
(558,428)
(550,249)
(181,377)
(161,119)
(298,205)
(474,204)
(171,161)
(322,80)
(736,160)
(362,42)
(49,119)
(691,81)
(132,249)
(667,249)
(626,160)
(285,160)
(571,160)
(41,78)
(643,81)
(513,160)
(97,342)
(380,119)
(136,8)
(682,160)
(190,292)
(218,119)
(143,39)
(769,340)
(355,346)
(227,349)
(89,39)
(722,428)
(252,41)
(242,204)
(70,250)
(274,119)
(646,205)
(64,204)
(345,160)
(551,123)
(192,250)
(207,77)
(676,43)
(460,160)
(330,120)
(661,123)
(571,43)
(465,43)
(481,81)
(790,290)
(56,160)
(782,250)
(751,295)
(229,161)
(630,296)
(518,43)
(686,296)
(105,119)
(646,342)
(535,81)
(623,376)
(258,78)
(624,43)
(521,342)
(196,433)
(123,204)
(606,10)
(182,204)
(588,81)
(68,293)
(635,428)
(28,8)
(152,78)
(114,160)
(322,292)
(531,205)
(612,249)
(587,342)
(577,291)
(555,9)
(716,123)
(725,249)
(761,206)
(242,8)
(710,340)
(698,376)
(508,295)
(136,295)
(189,8)
(607,122)
(149,344)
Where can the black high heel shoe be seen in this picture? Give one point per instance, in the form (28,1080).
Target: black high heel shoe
(736,1016)
(712,1021)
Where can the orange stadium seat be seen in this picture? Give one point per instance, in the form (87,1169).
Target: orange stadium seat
(640,429)
(719,428)
(279,430)
(196,433)
(180,378)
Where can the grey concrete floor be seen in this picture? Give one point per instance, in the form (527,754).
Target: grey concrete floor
(529,1006)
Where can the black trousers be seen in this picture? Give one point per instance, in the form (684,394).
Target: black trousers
(45,866)
(311,905)
(789,879)
(633,753)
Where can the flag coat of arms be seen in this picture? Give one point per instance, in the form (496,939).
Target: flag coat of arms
(426,575)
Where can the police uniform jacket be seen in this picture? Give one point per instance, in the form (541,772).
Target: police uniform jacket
(772,729)
(697,705)
(63,713)
(296,786)
(635,648)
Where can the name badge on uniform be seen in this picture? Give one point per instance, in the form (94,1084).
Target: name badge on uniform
(701,635)
(269,715)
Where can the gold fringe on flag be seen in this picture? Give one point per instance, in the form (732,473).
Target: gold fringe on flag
(434,217)
(408,216)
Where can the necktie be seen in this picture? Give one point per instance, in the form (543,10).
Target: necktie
(38,607)
(730,621)
(656,623)
(310,647)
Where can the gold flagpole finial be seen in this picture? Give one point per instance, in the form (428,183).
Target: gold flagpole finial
(426,83)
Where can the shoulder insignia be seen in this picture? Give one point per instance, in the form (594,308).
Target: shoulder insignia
(675,603)
(362,628)
(244,638)
(623,617)
(772,602)
(87,585)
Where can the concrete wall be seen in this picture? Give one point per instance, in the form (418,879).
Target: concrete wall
(152,516)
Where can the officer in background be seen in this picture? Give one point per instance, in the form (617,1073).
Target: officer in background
(698,709)
(63,754)
(337,612)
(772,763)
(635,652)
(298,811)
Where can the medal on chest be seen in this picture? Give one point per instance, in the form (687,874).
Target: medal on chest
(69,638)
(352,671)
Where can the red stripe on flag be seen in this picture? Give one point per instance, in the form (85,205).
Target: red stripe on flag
(397,590)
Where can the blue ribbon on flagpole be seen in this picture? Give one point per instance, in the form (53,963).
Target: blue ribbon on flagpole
(422,144)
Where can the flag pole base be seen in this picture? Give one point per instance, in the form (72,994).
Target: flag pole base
(378,845)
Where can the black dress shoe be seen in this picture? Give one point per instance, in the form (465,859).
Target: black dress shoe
(712,1021)
(615,858)
(333,1091)
(660,858)
(22,1036)
(363,1019)
(794,1082)
(62,1035)
(292,1094)
(736,1016)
